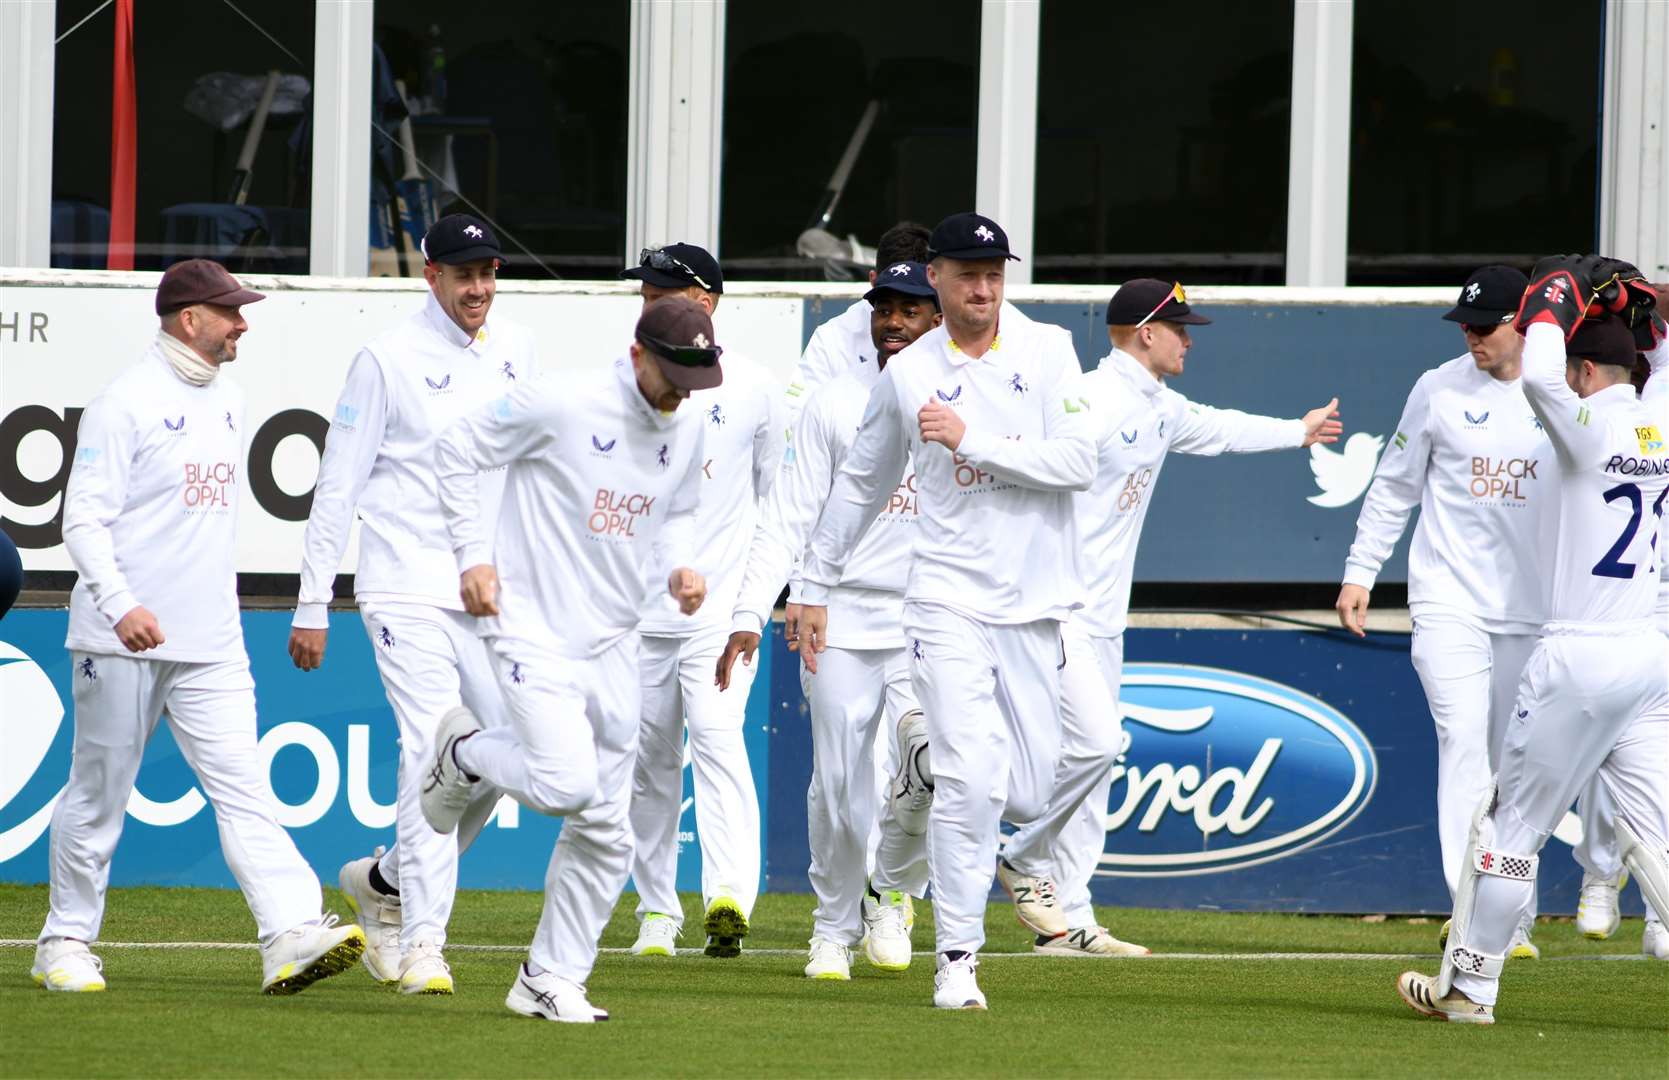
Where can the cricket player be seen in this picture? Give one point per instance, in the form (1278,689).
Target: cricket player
(150,521)
(402,390)
(989,415)
(741,418)
(864,672)
(1470,453)
(598,514)
(1139,418)
(1594,697)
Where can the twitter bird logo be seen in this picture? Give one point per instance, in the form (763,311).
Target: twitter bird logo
(1343,478)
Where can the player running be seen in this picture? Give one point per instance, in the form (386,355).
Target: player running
(990,416)
(742,419)
(1594,698)
(1470,453)
(1139,419)
(150,522)
(402,390)
(864,672)
(599,507)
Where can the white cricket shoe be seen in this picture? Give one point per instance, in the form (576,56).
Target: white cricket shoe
(1034,900)
(829,960)
(298,958)
(910,795)
(657,936)
(954,985)
(1421,994)
(1655,941)
(887,920)
(1087,941)
(68,965)
(447,788)
(425,971)
(1522,948)
(546,996)
(379,916)
(1597,917)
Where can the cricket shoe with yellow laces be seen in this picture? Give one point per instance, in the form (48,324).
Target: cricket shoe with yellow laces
(726,926)
(657,936)
(830,961)
(424,970)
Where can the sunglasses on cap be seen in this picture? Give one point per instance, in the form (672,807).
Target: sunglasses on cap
(685,355)
(1176,294)
(658,259)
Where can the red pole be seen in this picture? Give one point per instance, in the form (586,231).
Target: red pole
(124,143)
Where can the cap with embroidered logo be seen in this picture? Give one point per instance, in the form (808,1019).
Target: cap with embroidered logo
(460,238)
(1490,295)
(678,332)
(905,278)
(969,236)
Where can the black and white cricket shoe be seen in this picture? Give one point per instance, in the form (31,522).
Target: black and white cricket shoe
(447,789)
(546,996)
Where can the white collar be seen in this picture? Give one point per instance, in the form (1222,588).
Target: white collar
(635,399)
(451,332)
(1143,380)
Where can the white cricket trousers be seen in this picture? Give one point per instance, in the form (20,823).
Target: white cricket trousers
(1067,841)
(676,681)
(991,697)
(1587,706)
(211,708)
(853,691)
(431,661)
(567,752)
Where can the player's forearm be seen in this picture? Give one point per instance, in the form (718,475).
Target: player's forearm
(1066,463)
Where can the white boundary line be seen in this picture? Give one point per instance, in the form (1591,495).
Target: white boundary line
(24,943)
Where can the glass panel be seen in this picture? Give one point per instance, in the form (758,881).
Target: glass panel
(799,79)
(1162,137)
(519,115)
(199,74)
(1473,136)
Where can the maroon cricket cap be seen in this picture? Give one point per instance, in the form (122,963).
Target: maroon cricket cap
(201,281)
(1606,340)
(679,332)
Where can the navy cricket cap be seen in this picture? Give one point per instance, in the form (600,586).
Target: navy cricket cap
(1145,300)
(969,236)
(460,238)
(1490,296)
(1606,340)
(907,278)
(677,266)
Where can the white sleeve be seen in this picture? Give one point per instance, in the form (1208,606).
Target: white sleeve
(802,483)
(1556,405)
(674,545)
(1207,431)
(514,426)
(1399,483)
(1655,394)
(106,440)
(351,447)
(1064,459)
(768,437)
(872,469)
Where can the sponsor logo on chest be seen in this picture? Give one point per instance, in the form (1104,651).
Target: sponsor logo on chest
(617,515)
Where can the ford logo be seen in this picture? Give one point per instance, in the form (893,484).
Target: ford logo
(1222,771)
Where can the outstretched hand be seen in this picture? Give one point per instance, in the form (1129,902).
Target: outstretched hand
(1322,425)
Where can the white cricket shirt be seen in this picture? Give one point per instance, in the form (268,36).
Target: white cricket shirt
(1470,453)
(403,389)
(743,418)
(866,606)
(599,504)
(1140,420)
(995,538)
(1613,476)
(150,514)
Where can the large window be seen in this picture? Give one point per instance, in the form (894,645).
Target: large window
(1473,136)
(200,71)
(1162,137)
(518,113)
(800,80)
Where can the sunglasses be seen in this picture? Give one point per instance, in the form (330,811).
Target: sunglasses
(684,355)
(1475,330)
(658,259)
(1176,294)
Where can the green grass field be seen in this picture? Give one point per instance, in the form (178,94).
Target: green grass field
(198,1012)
